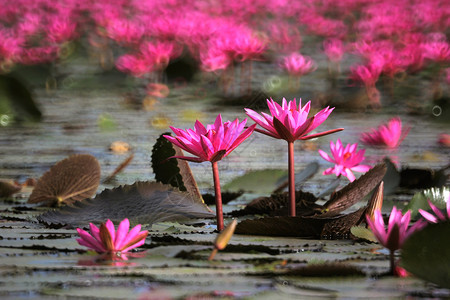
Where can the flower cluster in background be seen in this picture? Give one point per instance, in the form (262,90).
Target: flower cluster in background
(386,39)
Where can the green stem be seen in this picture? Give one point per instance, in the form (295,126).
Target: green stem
(219,211)
(291,171)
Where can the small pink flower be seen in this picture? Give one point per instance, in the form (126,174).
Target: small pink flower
(289,122)
(438,214)
(368,75)
(213,142)
(398,228)
(297,64)
(444,138)
(346,160)
(107,239)
(334,49)
(388,135)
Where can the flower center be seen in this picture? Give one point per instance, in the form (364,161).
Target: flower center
(347,155)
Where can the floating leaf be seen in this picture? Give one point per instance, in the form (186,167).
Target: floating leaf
(72,179)
(119,147)
(354,191)
(106,122)
(328,269)
(258,181)
(142,202)
(175,172)
(363,233)
(426,254)
(119,169)
(7,189)
(438,196)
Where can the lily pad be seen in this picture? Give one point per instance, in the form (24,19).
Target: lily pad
(141,202)
(426,254)
(259,181)
(72,179)
(438,196)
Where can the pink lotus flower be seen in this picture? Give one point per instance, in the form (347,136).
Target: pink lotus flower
(438,214)
(388,135)
(211,143)
(334,49)
(346,160)
(397,232)
(444,139)
(107,239)
(290,123)
(297,64)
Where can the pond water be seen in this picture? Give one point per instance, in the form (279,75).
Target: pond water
(86,114)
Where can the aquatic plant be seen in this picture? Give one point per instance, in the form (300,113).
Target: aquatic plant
(438,216)
(290,123)
(346,159)
(107,240)
(388,135)
(211,143)
(397,232)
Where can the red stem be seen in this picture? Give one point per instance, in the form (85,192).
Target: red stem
(291,171)
(219,211)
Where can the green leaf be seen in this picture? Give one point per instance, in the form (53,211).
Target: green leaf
(426,254)
(437,196)
(260,181)
(363,233)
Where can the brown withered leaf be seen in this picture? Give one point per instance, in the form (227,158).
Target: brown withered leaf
(336,227)
(278,205)
(7,189)
(141,202)
(354,192)
(376,201)
(72,179)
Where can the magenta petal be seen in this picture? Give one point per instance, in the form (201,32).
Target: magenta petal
(90,241)
(121,233)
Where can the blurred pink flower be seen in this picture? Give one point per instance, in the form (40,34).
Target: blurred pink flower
(213,142)
(134,65)
(107,239)
(334,49)
(289,122)
(388,135)
(368,75)
(346,160)
(444,139)
(438,214)
(297,65)
(398,228)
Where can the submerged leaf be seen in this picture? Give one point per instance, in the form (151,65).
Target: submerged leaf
(72,179)
(300,177)
(258,181)
(426,254)
(141,202)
